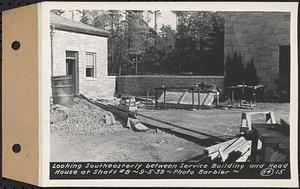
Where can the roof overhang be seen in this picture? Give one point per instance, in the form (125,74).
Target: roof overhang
(80,30)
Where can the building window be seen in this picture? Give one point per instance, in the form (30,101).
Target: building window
(90,65)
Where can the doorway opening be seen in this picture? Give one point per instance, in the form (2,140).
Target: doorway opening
(284,70)
(72,68)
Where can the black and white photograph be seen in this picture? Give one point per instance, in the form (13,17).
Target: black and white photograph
(169,86)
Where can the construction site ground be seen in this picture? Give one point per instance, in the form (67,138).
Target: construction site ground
(80,133)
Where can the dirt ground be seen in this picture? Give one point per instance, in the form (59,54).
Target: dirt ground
(82,134)
(218,121)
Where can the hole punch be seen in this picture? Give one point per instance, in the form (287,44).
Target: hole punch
(16,45)
(16,148)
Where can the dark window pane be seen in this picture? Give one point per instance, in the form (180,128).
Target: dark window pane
(71,54)
(89,72)
(70,66)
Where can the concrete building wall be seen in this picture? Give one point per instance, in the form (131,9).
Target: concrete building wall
(100,86)
(139,85)
(257,36)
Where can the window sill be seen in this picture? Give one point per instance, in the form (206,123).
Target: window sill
(91,79)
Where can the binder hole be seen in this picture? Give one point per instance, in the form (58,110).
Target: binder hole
(15,45)
(16,148)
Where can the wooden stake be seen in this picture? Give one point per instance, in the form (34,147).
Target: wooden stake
(199,99)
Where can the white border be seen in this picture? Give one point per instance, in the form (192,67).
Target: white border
(45,85)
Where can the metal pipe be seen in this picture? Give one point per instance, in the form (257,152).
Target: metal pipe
(51,39)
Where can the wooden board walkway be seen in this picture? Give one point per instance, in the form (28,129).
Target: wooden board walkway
(160,124)
(157,123)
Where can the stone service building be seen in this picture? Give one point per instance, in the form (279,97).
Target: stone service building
(263,37)
(80,50)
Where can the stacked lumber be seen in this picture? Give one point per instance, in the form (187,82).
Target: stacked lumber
(234,150)
(185,97)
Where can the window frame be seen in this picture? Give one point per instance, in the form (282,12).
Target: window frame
(94,54)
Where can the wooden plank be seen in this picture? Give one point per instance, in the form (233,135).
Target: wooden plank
(214,155)
(273,120)
(156,122)
(223,145)
(224,149)
(162,126)
(209,99)
(244,157)
(182,97)
(245,147)
(237,144)
(171,97)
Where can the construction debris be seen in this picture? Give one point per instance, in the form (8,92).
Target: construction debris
(235,150)
(109,119)
(200,94)
(247,96)
(185,97)
(83,118)
(239,149)
(136,125)
(270,138)
(128,103)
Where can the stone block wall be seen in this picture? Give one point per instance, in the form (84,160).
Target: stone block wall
(100,86)
(257,36)
(139,85)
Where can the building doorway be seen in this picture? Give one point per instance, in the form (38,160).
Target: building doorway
(284,70)
(72,68)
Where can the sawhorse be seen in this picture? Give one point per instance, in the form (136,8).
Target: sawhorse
(246,123)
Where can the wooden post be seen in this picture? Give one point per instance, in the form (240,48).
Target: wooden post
(147,97)
(199,99)
(165,105)
(120,70)
(270,118)
(254,147)
(232,96)
(193,98)
(242,95)
(253,100)
(156,98)
(218,99)
(136,64)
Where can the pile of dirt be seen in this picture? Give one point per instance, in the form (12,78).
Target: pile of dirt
(83,118)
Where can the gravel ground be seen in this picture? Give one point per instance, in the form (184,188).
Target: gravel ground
(83,118)
(81,133)
(218,122)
